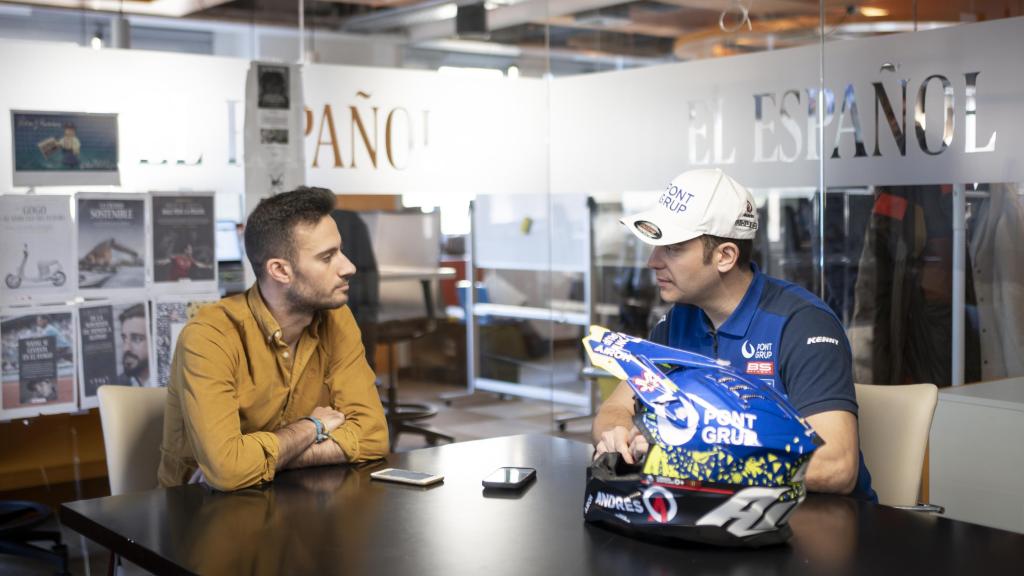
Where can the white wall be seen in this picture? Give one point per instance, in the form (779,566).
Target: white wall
(175,111)
(173,108)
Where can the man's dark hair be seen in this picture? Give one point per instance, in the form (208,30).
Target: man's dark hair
(746,248)
(268,231)
(134,311)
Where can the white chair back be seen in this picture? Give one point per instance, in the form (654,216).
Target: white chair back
(132,420)
(894,423)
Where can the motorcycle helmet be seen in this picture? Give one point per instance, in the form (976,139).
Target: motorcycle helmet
(727,453)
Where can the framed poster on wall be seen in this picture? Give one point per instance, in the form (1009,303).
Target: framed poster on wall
(114,347)
(111,243)
(170,314)
(37,242)
(182,247)
(64,148)
(38,348)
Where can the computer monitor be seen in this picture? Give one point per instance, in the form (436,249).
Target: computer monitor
(228,246)
(64,148)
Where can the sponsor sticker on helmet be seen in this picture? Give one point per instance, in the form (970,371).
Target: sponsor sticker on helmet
(619,503)
(646,383)
(683,429)
(751,511)
(660,504)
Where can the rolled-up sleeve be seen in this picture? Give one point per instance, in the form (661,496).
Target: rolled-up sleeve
(228,459)
(364,435)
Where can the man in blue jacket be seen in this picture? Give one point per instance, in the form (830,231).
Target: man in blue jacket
(702,231)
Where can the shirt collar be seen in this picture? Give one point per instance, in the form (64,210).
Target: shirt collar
(268,324)
(264,319)
(313,330)
(739,321)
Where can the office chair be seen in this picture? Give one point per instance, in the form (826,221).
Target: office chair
(364,302)
(132,420)
(894,423)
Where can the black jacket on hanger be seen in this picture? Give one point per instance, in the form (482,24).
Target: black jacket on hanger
(904,290)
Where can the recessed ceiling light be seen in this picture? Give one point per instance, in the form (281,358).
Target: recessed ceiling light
(873,12)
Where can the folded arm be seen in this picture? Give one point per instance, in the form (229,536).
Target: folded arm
(228,459)
(364,434)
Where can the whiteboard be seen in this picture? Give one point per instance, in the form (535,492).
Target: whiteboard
(532,232)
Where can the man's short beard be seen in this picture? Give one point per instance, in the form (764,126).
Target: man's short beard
(299,303)
(141,366)
(302,304)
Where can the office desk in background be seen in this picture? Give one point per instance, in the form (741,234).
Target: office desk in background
(426,278)
(337,521)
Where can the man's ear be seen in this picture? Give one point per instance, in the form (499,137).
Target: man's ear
(279,270)
(728,254)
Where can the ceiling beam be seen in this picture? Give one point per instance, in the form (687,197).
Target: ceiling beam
(632,27)
(509,16)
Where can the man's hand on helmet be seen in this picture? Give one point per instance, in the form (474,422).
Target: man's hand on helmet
(628,442)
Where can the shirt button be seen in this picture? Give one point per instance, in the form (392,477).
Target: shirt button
(285,353)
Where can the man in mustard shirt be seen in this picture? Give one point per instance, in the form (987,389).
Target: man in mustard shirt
(276,377)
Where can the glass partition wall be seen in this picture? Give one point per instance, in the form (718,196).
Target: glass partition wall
(840,139)
(838,117)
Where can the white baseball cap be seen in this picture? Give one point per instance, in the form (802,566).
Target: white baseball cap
(695,203)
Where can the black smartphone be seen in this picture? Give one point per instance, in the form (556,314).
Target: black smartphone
(509,478)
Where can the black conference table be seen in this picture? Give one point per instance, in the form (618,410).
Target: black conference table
(335,520)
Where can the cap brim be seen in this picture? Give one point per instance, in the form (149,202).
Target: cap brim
(651,228)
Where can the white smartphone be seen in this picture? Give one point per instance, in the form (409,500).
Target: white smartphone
(406,476)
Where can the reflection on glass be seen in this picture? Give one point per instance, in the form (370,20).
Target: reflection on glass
(627,295)
(995,249)
(901,331)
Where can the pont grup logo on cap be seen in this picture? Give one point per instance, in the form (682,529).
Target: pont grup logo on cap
(648,228)
(675,199)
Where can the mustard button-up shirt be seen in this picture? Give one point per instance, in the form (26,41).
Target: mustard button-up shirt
(234,381)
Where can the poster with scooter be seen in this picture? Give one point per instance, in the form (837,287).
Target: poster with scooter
(183,253)
(38,349)
(111,243)
(170,315)
(114,345)
(37,239)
